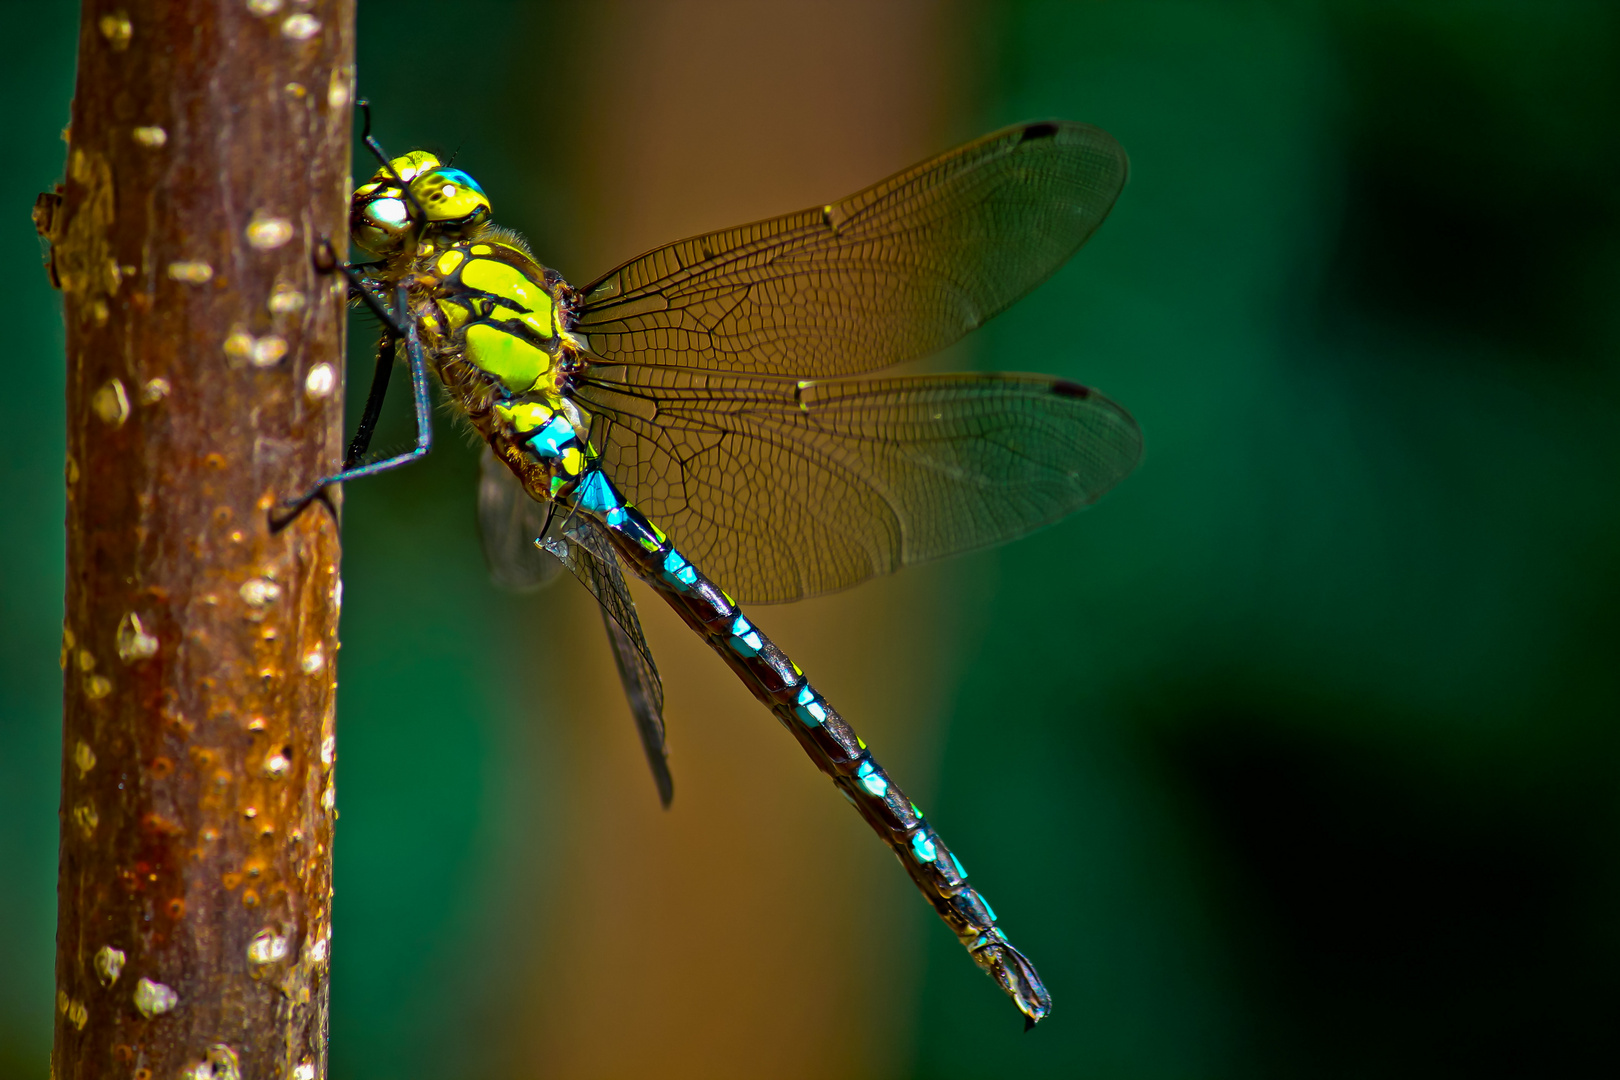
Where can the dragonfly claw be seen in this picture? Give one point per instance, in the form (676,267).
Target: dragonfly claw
(285,513)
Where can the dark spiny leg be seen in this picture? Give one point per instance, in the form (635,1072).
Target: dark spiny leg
(374,398)
(360,286)
(284,515)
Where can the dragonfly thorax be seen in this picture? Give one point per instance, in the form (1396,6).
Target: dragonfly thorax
(499,311)
(493,319)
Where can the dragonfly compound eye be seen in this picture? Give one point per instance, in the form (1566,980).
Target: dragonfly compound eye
(383,218)
(454,205)
(408,167)
(379,219)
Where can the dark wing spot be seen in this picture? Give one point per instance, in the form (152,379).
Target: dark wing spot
(1044,130)
(1064,388)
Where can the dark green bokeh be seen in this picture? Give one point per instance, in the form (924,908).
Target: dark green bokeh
(1330,721)
(36,77)
(1310,765)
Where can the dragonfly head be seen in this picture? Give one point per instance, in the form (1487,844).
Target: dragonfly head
(442,202)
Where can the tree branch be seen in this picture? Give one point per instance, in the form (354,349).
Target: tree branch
(208,159)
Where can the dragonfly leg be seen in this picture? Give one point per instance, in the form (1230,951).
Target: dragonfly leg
(835,748)
(327,262)
(360,285)
(421,393)
(374,398)
(393,332)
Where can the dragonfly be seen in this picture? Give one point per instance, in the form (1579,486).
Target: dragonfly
(717,388)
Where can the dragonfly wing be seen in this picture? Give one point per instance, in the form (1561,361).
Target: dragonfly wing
(522,557)
(510,522)
(787,489)
(590,556)
(645,693)
(895,272)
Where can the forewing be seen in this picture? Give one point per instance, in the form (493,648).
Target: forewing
(894,272)
(784,489)
(509,522)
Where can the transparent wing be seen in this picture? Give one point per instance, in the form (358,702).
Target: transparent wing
(590,556)
(509,521)
(645,692)
(894,272)
(784,489)
(523,557)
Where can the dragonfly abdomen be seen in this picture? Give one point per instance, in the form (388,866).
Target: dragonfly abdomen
(829,741)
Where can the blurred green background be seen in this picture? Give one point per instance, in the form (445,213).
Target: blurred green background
(1295,757)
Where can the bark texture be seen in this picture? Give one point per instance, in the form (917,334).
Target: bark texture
(207,159)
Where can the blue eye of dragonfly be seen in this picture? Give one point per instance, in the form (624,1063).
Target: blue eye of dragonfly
(718,381)
(458,176)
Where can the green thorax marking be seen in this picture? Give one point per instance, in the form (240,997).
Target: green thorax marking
(494,301)
(497,311)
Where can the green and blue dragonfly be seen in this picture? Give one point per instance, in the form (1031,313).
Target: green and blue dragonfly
(706,387)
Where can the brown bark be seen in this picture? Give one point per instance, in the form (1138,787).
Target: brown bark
(208,157)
